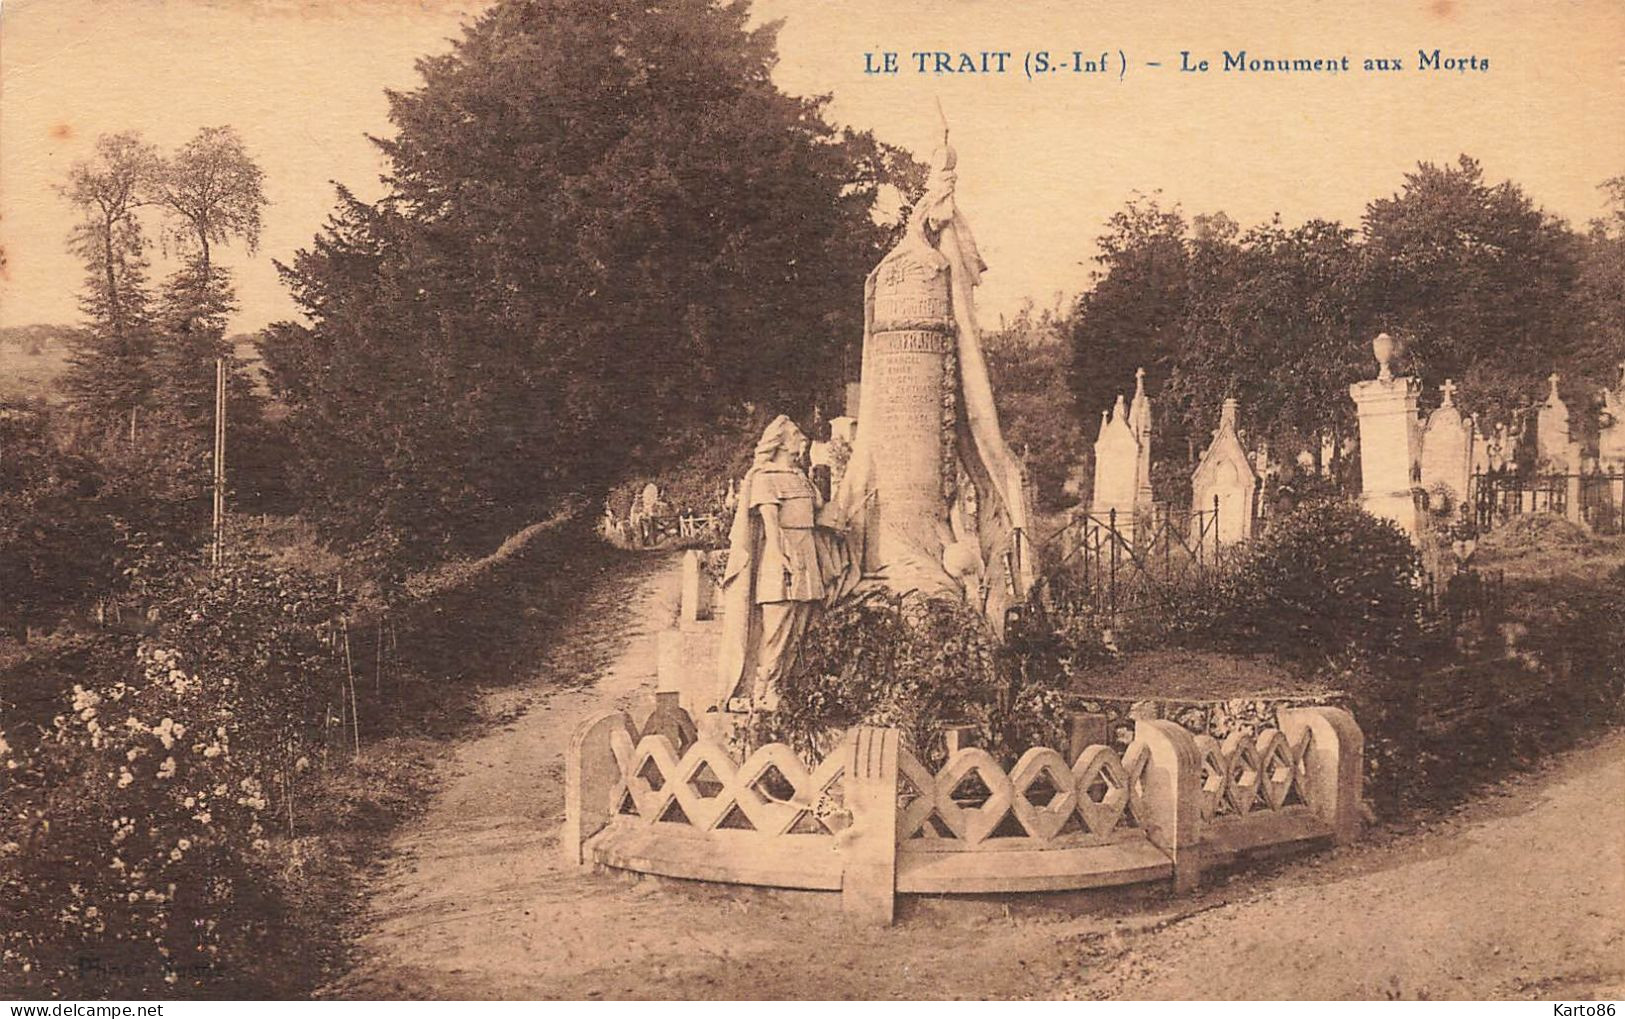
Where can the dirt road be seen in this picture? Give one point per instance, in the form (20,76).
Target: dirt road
(1521,894)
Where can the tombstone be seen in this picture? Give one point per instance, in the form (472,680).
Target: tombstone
(1225,478)
(1139,422)
(1504,449)
(1386,407)
(1117,460)
(1611,428)
(1263,466)
(1076,477)
(1447,449)
(1552,433)
(843,432)
(697,589)
(1611,447)
(1122,481)
(818,454)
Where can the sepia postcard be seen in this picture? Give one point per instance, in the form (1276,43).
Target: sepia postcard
(740,500)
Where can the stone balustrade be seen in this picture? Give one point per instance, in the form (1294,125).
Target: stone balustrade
(872,821)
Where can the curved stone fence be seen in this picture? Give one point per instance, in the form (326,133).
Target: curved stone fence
(872,821)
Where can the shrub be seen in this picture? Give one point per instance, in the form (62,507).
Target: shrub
(133,838)
(1328,580)
(269,637)
(128,840)
(80,516)
(916,663)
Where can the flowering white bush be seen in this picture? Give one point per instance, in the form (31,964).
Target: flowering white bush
(134,859)
(126,840)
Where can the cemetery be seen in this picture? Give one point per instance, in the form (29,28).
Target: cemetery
(758,760)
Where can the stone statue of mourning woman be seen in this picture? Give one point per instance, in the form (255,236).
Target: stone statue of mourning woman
(783,567)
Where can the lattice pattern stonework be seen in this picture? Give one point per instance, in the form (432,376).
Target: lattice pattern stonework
(771,792)
(973,801)
(1246,773)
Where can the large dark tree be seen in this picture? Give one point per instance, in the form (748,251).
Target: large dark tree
(1027,360)
(1476,280)
(1134,314)
(605,226)
(211,193)
(1602,290)
(109,375)
(1275,318)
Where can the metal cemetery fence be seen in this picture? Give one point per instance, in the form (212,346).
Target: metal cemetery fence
(1111,562)
(1596,500)
(1468,594)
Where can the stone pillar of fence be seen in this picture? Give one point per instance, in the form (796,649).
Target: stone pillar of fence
(1389,442)
(590,775)
(869,848)
(697,588)
(1335,765)
(1171,797)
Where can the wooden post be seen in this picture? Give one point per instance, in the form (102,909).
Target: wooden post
(1112,598)
(869,853)
(355,708)
(219,458)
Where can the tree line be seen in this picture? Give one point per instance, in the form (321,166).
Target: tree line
(118,478)
(605,230)
(1475,281)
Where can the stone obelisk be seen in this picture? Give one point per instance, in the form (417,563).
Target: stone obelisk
(932,500)
(910,338)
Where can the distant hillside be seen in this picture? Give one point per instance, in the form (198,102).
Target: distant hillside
(33,357)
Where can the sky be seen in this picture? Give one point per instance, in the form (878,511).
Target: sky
(1042,162)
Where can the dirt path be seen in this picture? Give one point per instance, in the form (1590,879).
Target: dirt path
(1521,895)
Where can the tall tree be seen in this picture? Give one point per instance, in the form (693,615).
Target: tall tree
(109,375)
(1274,319)
(1602,290)
(1028,358)
(1476,280)
(605,225)
(212,192)
(1133,315)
